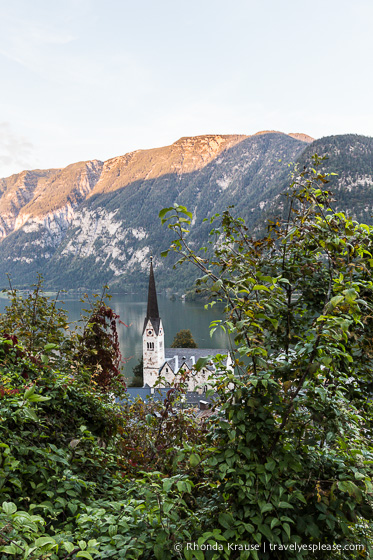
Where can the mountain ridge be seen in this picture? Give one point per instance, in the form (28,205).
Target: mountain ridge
(97,222)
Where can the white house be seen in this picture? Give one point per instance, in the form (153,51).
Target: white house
(170,363)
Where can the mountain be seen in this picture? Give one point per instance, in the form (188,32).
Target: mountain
(97,222)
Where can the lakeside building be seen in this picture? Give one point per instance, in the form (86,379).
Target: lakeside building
(168,364)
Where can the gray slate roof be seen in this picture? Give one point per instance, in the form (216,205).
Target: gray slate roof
(175,357)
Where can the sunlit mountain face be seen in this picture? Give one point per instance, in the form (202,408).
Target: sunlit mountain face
(97,222)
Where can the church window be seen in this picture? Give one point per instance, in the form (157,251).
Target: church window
(166,369)
(150,345)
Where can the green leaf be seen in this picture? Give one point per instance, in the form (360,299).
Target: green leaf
(351,489)
(30,391)
(50,346)
(225,520)
(31,414)
(9,508)
(285,505)
(188,554)
(266,507)
(68,546)
(286,528)
(38,398)
(194,460)
(164,211)
(113,530)
(11,549)
(266,531)
(167,484)
(270,465)
(42,541)
(202,362)
(72,508)
(217,285)
(261,288)
(336,300)
(84,554)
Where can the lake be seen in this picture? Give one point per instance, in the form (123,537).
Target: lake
(176,315)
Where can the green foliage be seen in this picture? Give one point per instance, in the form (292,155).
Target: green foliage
(284,461)
(69,454)
(293,459)
(97,348)
(41,325)
(155,442)
(37,321)
(56,449)
(184,339)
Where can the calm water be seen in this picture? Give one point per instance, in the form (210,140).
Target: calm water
(176,315)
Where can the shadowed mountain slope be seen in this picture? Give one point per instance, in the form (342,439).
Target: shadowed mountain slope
(94,222)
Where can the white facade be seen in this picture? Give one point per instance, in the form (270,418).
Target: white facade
(169,364)
(152,351)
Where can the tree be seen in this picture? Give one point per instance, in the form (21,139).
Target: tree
(184,339)
(41,325)
(138,374)
(293,458)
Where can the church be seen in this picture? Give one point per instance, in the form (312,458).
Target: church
(169,363)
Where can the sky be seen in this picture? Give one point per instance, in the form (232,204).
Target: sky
(94,79)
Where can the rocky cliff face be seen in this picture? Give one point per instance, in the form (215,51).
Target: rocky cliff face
(95,222)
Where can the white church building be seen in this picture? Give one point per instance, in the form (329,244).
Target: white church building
(168,364)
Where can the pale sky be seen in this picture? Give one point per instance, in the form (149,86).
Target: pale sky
(94,79)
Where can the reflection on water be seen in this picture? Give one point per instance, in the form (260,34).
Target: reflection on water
(176,315)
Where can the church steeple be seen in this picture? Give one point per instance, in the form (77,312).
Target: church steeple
(152,312)
(152,335)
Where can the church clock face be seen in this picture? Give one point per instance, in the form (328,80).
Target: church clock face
(150,332)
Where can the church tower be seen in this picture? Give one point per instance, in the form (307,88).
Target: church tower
(152,335)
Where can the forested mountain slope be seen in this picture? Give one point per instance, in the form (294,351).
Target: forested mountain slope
(95,222)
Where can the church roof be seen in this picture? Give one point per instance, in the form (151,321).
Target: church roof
(152,313)
(176,357)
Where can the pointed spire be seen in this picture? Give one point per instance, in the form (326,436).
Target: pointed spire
(152,311)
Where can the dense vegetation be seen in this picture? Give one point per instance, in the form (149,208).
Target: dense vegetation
(281,469)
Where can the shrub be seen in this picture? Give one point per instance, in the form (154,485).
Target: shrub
(293,458)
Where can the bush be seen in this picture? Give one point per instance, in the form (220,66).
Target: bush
(72,461)
(293,454)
